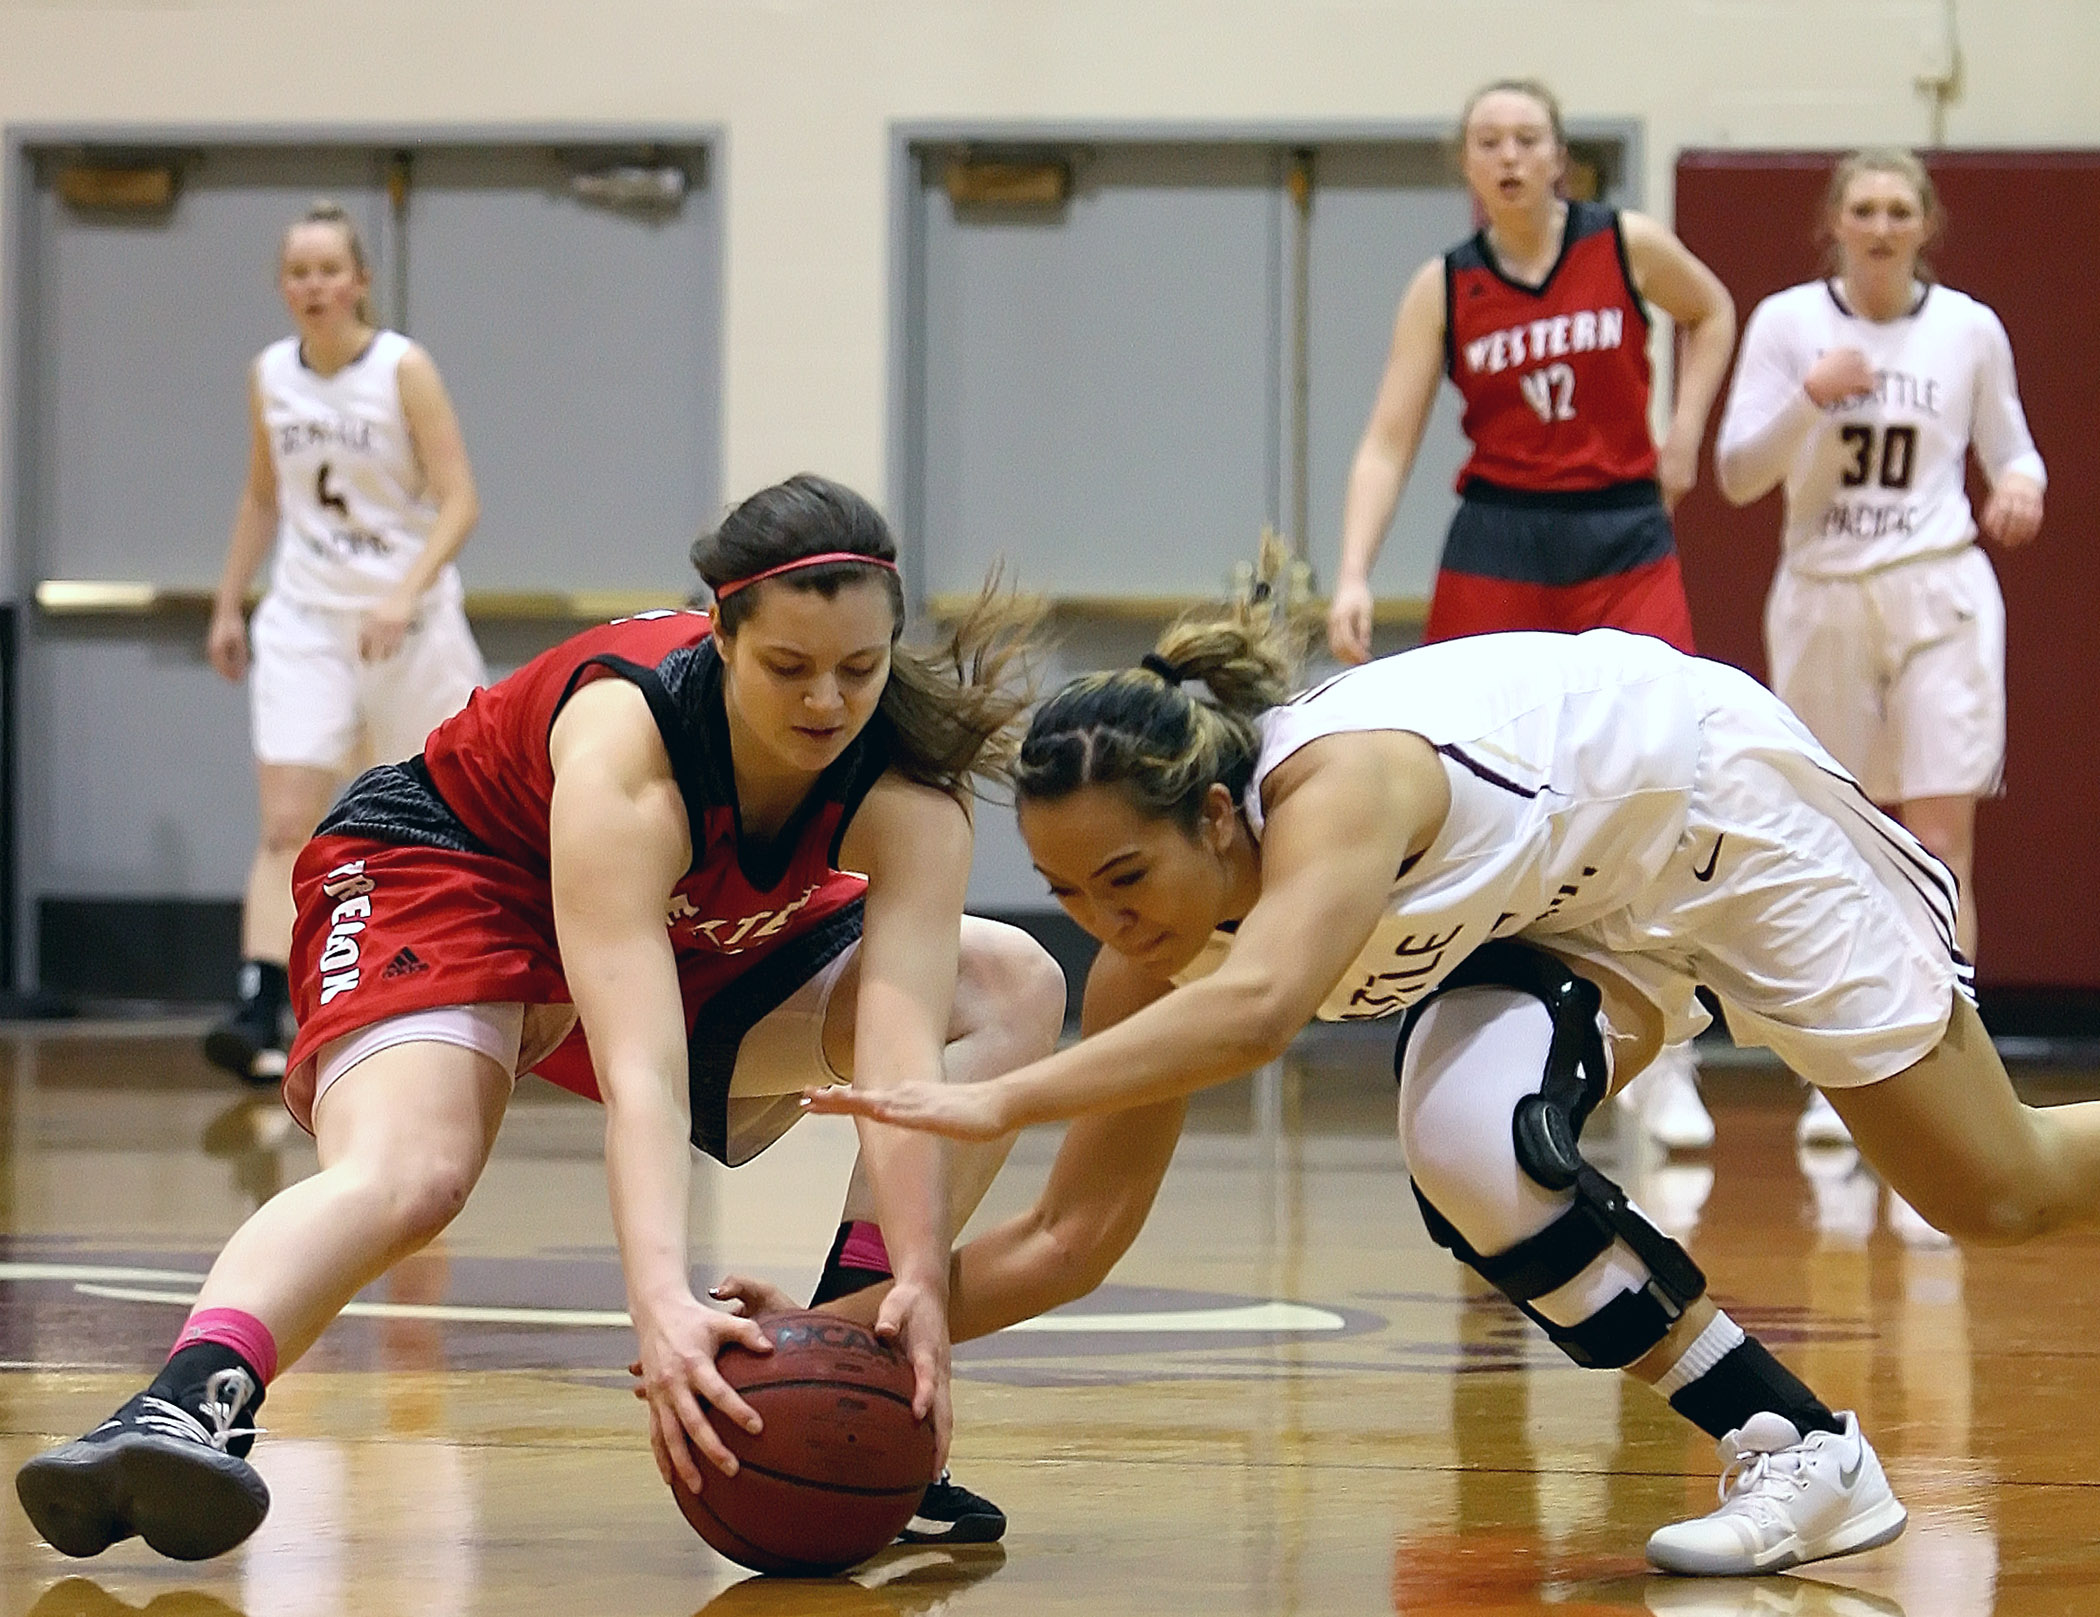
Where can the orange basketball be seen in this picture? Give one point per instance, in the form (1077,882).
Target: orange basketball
(841,1464)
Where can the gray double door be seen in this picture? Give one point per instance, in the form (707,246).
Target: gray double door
(581,345)
(1119,393)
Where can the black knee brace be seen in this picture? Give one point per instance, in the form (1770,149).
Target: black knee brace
(1546,1129)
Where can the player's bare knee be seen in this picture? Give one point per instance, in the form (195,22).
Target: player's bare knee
(1010,987)
(2004,1212)
(425,1193)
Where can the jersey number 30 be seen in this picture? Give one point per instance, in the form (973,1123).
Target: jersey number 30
(1898,457)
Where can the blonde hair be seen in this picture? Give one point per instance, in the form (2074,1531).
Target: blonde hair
(1139,729)
(1905,166)
(325,212)
(1526,87)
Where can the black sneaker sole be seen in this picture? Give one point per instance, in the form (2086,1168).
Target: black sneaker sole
(963,1530)
(188,1502)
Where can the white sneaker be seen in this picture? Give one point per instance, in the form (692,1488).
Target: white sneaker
(1785,1499)
(1666,1099)
(1820,1123)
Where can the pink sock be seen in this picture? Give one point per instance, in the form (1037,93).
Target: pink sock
(244,1333)
(864,1248)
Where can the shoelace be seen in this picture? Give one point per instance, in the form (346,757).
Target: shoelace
(1753,1476)
(224,1395)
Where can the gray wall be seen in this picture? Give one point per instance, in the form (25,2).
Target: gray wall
(1101,394)
(581,346)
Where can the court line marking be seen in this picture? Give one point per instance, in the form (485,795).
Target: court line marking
(1271,1318)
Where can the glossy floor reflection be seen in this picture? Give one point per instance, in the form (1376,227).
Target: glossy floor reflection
(1286,1401)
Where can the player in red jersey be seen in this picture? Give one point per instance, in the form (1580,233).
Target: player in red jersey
(1540,320)
(650,829)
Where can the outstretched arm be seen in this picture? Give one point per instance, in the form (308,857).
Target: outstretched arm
(1343,814)
(1100,1190)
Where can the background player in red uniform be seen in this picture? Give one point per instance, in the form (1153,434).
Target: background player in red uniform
(651,826)
(1540,320)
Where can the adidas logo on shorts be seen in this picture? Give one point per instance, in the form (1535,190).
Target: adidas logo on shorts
(404,964)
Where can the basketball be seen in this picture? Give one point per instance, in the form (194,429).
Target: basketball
(841,1463)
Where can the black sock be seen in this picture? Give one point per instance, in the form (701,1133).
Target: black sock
(843,1279)
(265,984)
(1746,1380)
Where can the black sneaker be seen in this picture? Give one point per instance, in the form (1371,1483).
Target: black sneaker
(951,1514)
(177,1479)
(248,1043)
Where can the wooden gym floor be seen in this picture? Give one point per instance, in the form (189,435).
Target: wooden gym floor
(1287,1401)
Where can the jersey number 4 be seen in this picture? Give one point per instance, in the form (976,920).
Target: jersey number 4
(1550,390)
(1898,455)
(327,498)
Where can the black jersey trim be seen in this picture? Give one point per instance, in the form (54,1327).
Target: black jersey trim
(1633,289)
(350,364)
(720,1024)
(1584,220)
(1451,315)
(669,727)
(694,724)
(400,803)
(1455,754)
(1835,288)
(1636,495)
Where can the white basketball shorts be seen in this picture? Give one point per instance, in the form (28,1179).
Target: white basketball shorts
(1823,927)
(1900,673)
(311,698)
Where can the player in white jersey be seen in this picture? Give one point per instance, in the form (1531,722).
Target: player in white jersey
(1885,628)
(1529,847)
(357,476)
(1865,394)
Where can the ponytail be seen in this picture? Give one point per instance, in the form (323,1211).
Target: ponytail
(1138,728)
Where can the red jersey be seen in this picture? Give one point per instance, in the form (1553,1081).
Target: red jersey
(462,831)
(1555,377)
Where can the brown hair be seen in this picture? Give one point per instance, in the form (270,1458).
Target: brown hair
(951,710)
(1139,729)
(325,212)
(1905,166)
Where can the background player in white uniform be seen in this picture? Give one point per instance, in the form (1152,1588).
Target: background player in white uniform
(358,476)
(1865,393)
(1500,838)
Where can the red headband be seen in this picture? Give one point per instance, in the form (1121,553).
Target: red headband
(724,591)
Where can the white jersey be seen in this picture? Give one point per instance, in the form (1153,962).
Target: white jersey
(1878,480)
(353,514)
(1570,760)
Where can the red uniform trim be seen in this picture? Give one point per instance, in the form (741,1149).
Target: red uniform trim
(1643,600)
